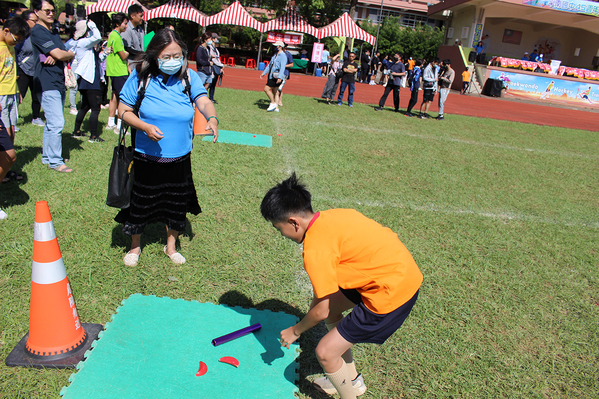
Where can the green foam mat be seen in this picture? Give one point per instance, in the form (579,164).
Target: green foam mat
(227,136)
(153,346)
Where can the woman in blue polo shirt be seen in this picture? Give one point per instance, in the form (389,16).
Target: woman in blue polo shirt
(163,188)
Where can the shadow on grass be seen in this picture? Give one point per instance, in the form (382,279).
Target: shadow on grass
(25,155)
(13,195)
(324,101)
(262,103)
(307,359)
(68,144)
(153,232)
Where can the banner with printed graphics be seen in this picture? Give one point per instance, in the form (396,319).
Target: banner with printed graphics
(547,88)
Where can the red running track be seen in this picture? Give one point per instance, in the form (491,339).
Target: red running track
(469,105)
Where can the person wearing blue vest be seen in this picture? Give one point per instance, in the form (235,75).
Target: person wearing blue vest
(165,91)
(276,76)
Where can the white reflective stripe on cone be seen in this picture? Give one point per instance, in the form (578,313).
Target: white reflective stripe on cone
(44,231)
(48,273)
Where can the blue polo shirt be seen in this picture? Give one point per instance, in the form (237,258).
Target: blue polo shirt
(167,107)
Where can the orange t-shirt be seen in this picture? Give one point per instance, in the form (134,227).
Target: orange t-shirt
(465,76)
(343,248)
(411,64)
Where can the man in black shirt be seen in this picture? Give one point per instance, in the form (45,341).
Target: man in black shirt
(350,67)
(374,65)
(365,67)
(49,80)
(396,71)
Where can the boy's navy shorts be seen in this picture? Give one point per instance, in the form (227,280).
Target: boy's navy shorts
(364,326)
(5,143)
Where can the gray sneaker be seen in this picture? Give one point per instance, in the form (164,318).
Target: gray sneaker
(324,385)
(38,122)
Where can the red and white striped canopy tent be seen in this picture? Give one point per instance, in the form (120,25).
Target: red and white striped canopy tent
(290,21)
(345,26)
(235,14)
(112,6)
(180,9)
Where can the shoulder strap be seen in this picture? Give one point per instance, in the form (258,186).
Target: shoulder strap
(187,86)
(141,93)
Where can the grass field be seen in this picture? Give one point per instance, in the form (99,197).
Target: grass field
(501,217)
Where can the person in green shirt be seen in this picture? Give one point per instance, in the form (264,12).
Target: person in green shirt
(116,66)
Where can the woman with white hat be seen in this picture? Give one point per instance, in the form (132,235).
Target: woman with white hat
(86,67)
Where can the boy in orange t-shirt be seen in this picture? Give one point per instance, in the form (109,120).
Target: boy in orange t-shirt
(353,263)
(465,81)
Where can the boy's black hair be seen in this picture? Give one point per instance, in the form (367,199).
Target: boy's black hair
(286,198)
(134,9)
(36,5)
(118,19)
(26,13)
(18,27)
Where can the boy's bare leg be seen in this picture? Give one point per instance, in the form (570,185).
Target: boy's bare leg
(329,353)
(338,303)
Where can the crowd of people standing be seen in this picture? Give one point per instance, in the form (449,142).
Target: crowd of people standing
(160,115)
(393,72)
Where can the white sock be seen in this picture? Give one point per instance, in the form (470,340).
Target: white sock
(342,382)
(111,121)
(118,124)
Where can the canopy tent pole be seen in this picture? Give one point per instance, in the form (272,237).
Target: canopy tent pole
(378,28)
(259,50)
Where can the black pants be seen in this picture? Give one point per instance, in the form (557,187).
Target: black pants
(413,98)
(104,89)
(26,82)
(388,89)
(90,99)
(212,87)
(364,74)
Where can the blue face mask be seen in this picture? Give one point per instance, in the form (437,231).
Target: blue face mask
(209,42)
(170,67)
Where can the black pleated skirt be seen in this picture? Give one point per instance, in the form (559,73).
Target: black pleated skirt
(162,192)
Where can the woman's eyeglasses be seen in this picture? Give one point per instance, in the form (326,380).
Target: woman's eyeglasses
(168,57)
(48,11)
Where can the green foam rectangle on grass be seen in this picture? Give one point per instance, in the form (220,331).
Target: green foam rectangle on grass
(227,136)
(153,346)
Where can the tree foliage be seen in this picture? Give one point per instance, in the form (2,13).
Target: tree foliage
(420,42)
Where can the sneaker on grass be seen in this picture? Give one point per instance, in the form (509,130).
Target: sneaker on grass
(3,215)
(271,107)
(38,122)
(96,140)
(323,384)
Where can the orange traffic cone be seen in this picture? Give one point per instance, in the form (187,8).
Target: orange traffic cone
(56,337)
(199,124)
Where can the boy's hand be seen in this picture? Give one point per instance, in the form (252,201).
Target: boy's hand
(288,337)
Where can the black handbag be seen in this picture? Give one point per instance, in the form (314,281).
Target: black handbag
(120,176)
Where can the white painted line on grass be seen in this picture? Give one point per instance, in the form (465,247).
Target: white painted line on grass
(469,142)
(457,211)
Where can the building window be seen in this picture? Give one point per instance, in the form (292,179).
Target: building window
(405,19)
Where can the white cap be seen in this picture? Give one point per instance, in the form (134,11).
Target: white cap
(80,29)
